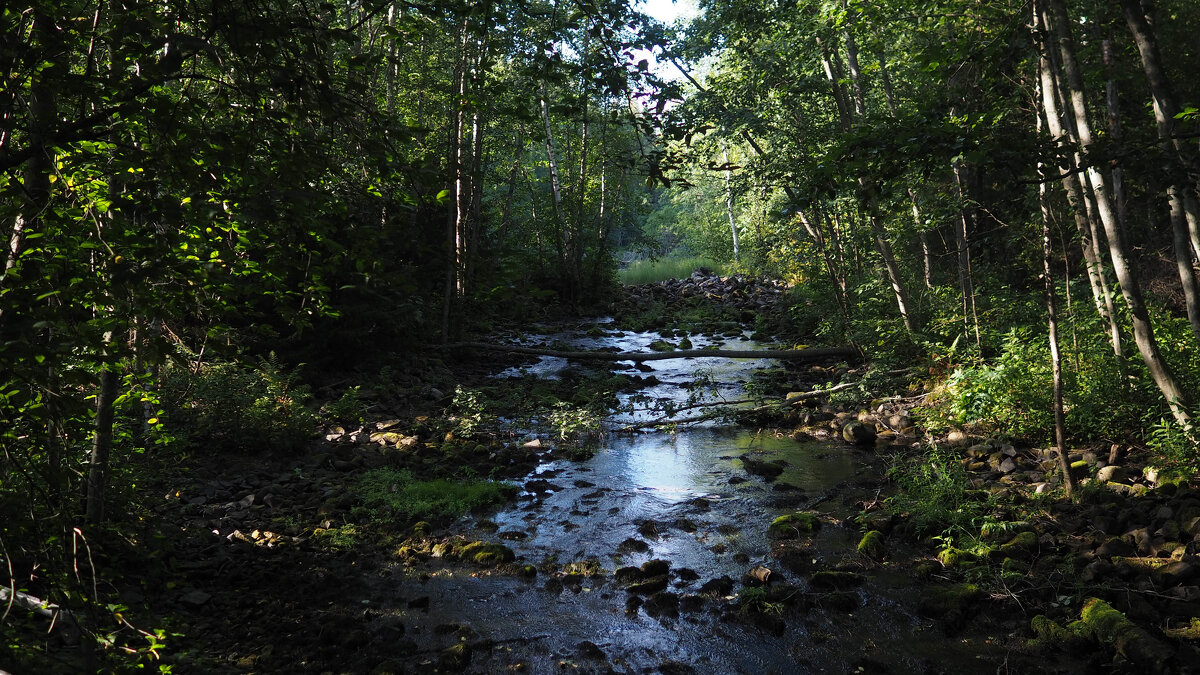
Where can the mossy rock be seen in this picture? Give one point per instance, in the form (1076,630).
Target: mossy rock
(1020,546)
(455,658)
(1105,624)
(793,525)
(839,601)
(649,586)
(486,553)
(1050,636)
(661,346)
(858,433)
(835,580)
(952,557)
(1189,632)
(872,546)
(925,569)
(951,603)
(767,470)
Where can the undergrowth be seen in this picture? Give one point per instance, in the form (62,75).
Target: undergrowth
(396,497)
(650,271)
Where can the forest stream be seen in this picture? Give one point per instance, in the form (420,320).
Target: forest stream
(663,559)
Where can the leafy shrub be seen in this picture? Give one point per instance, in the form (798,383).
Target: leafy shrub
(467,412)
(572,423)
(397,496)
(237,408)
(1176,448)
(934,492)
(349,409)
(1012,395)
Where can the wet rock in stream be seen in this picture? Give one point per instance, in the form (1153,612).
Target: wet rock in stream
(662,604)
(632,545)
(766,470)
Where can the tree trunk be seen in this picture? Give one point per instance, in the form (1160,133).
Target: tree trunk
(1143,330)
(1093,263)
(36,172)
(456,205)
(926,255)
(102,442)
(1183,259)
(561,230)
(962,241)
(729,205)
(868,192)
(1185,221)
(1060,418)
(838,280)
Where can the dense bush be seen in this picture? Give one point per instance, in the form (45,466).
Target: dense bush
(227,406)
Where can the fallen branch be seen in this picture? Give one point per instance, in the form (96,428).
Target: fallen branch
(816,393)
(28,602)
(487,644)
(814,354)
(669,419)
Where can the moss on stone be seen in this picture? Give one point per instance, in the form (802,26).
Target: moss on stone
(872,546)
(486,553)
(793,525)
(1189,632)
(951,603)
(952,557)
(835,580)
(455,657)
(1023,542)
(1100,621)
(1051,636)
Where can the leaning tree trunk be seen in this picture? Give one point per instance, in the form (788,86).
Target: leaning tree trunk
(1143,329)
(918,221)
(1093,263)
(868,191)
(729,205)
(963,244)
(1185,222)
(1060,418)
(561,230)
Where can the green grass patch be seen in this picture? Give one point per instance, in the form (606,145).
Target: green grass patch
(650,271)
(394,495)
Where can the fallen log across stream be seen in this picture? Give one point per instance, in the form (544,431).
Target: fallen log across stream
(814,354)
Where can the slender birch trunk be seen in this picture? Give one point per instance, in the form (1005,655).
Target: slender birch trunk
(561,230)
(1055,20)
(868,192)
(1060,418)
(729,204)
(1082,208)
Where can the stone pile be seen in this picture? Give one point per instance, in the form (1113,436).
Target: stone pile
(736,291)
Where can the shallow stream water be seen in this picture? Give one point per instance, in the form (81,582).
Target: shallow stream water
(685,498)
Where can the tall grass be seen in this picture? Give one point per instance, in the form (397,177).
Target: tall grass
(650,271)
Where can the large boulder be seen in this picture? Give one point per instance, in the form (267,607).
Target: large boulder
(858,433)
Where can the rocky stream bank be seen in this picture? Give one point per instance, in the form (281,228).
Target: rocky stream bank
(783,543)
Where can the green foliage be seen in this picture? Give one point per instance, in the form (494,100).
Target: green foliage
(650,271)
(574,424)
(934,492)
(341,538)
(1011,395)
(467,412)
(754,599)
(397,497)
(227,406)
(348,409)
(1176,448)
